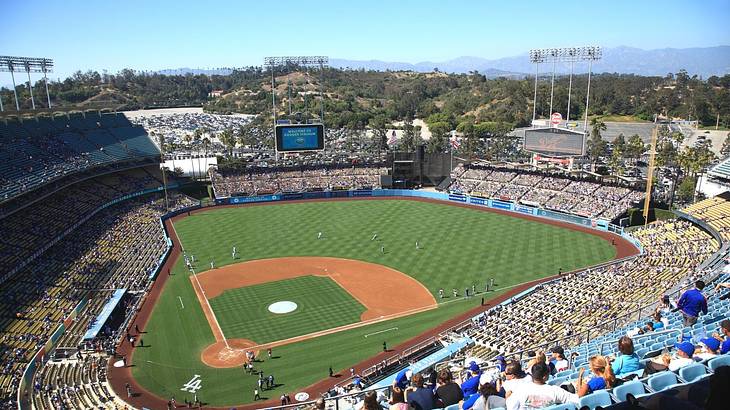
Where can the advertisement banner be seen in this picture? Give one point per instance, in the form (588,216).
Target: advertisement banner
(362,192)
(525,209)
(501,205)
(457,198)
(477,201)
(250,199)
(298,195)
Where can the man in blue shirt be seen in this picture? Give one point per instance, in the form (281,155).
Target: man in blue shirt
(471,385)
(692,302)
(724,338)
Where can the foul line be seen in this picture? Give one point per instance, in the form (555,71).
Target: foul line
(380,331)
(201,294)
(181,303)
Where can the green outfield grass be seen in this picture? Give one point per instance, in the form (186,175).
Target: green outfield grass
(460,247)
(321,304)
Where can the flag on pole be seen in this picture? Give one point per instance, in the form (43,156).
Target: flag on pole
(392,140)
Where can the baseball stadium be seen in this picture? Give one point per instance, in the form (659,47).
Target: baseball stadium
(302,236)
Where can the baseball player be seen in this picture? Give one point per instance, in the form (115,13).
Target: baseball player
(233,253)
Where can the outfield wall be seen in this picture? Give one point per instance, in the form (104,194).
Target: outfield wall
(593,223)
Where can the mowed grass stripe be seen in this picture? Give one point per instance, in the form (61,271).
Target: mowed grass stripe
(321,304)
(461,247)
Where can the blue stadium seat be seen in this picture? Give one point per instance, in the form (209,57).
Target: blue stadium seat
(717,362)
(635,388)
(566,406)
(595,399)
(693,372)
(452,407)
(662,381)
(557,381)
(642,352)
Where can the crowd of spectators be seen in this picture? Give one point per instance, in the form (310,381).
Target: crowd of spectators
(34,152)
(673,249)
(118,247)
(564,194)
(257,181)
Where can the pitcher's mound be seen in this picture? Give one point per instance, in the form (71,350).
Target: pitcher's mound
(219,356)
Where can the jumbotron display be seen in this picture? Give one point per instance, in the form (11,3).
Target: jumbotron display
(304,137)
(556,142)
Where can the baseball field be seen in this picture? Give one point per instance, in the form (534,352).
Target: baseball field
(361,282)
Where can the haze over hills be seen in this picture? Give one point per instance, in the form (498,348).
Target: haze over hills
(703,61)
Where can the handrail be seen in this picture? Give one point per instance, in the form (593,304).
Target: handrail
(637,337)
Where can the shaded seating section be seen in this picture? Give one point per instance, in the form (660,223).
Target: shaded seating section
(24,232)
(552,191)
(36,151)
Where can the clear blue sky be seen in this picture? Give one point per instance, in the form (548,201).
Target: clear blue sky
(157,34)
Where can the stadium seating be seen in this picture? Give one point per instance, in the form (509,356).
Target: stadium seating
(266,181)
(715,211)
(37,151)
(593,400)
(554,192)
(116,248)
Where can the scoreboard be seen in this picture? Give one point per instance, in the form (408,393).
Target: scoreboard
(556,142)
(299,137)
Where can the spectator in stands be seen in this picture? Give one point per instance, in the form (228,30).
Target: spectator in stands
(514,378)
(397,399)
(447,392)
(659,321)
(401,379)
(558,363)
(692,303)
(603,376)
(725,337)
(489,398)
(627,361)
(683,357)
(707,349)
(471,385)
(540,394)
(418,396)
(370,402)
(538,357)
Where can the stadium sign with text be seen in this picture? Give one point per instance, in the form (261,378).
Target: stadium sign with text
(556,119)
(300,137)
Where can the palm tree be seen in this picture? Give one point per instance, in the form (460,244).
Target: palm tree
(596,145)
(188,139)
(197,135)
(206,145)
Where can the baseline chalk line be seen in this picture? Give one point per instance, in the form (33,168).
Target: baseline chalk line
(381,331)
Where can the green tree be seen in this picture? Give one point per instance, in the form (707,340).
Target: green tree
(439,132)
(228,140)
(409,133)
(686,190)
(597,147)
(634,147)
(725,150)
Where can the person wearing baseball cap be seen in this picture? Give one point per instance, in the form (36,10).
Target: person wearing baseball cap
(471,385)
(709,347)
(683,356)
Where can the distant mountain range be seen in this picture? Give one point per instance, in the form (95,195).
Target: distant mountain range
(705,62)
